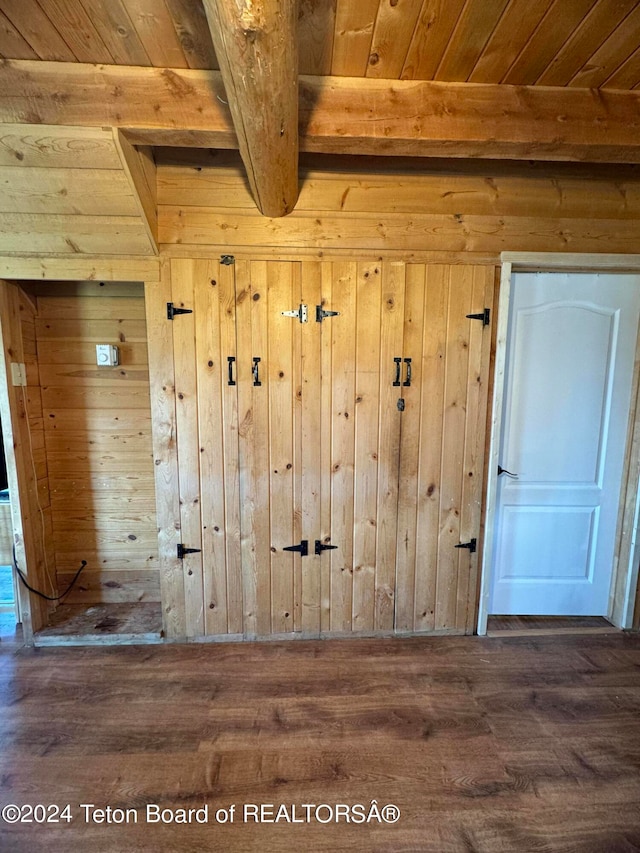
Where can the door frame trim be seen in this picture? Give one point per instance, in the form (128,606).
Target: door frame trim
(625,571)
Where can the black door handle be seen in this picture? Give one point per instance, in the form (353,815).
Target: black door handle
(407,381)
(231,360)
(502,470)
(256,371)
(398,363)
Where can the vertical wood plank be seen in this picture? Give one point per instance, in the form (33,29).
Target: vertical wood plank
(343,299)
(366,411)
(410,449)
(226,286)
(312,440)
(327,274)
(209,373)
(183,296)
(473,467)
(454,424)
(391,334)
(165,452)
(279,374)
(253,432)
(434,352)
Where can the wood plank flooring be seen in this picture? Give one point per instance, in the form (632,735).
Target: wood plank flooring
(503,745)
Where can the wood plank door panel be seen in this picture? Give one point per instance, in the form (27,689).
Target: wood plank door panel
(270,426)
(206,427)
(360,442)
(442,446)
(183,280)
(311,600)
(214,311)
(313,441)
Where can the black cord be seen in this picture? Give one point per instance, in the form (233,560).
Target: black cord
(37,591)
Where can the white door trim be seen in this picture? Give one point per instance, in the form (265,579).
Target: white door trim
(623,590)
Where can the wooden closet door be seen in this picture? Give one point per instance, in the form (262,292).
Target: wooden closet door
(271,446)
(404,461)
(442,446)
(360,443)
(206,424)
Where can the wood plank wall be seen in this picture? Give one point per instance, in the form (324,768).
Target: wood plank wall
(69,191)
(97,431)
(401,208)
(437,211)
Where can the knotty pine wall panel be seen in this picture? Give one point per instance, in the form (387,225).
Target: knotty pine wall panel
(400,209)
(97,440)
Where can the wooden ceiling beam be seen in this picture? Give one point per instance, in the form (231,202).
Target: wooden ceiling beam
(256,46)
(185,107)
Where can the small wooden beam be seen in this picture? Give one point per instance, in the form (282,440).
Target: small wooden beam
(256,46)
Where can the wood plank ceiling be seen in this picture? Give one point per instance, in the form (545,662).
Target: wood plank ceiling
(579,43)
(423,78)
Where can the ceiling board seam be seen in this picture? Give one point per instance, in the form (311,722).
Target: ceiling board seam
(489,37)
(24,35)
(529,40)
(610,36)
(584,23)
(451,37)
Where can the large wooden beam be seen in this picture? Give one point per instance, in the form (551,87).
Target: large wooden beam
(184,107)
(256,46)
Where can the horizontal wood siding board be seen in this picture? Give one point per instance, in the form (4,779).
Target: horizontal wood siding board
(71,269)
(202,226)
(84,352)
(84,192)
(71,307)
(51,146)
(616,196)
(96,587)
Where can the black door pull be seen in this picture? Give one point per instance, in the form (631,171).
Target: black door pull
(256,372)
(407,381)
(398,363)
(231,360)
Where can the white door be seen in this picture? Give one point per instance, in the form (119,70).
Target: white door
(570,359)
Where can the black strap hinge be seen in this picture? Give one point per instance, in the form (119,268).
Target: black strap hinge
(485,316)
(320,547)
(470,545)
(302,548)
(321,314)
(182,551)
(172,311)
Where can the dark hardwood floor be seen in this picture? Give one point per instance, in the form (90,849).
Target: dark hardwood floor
(509,745)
